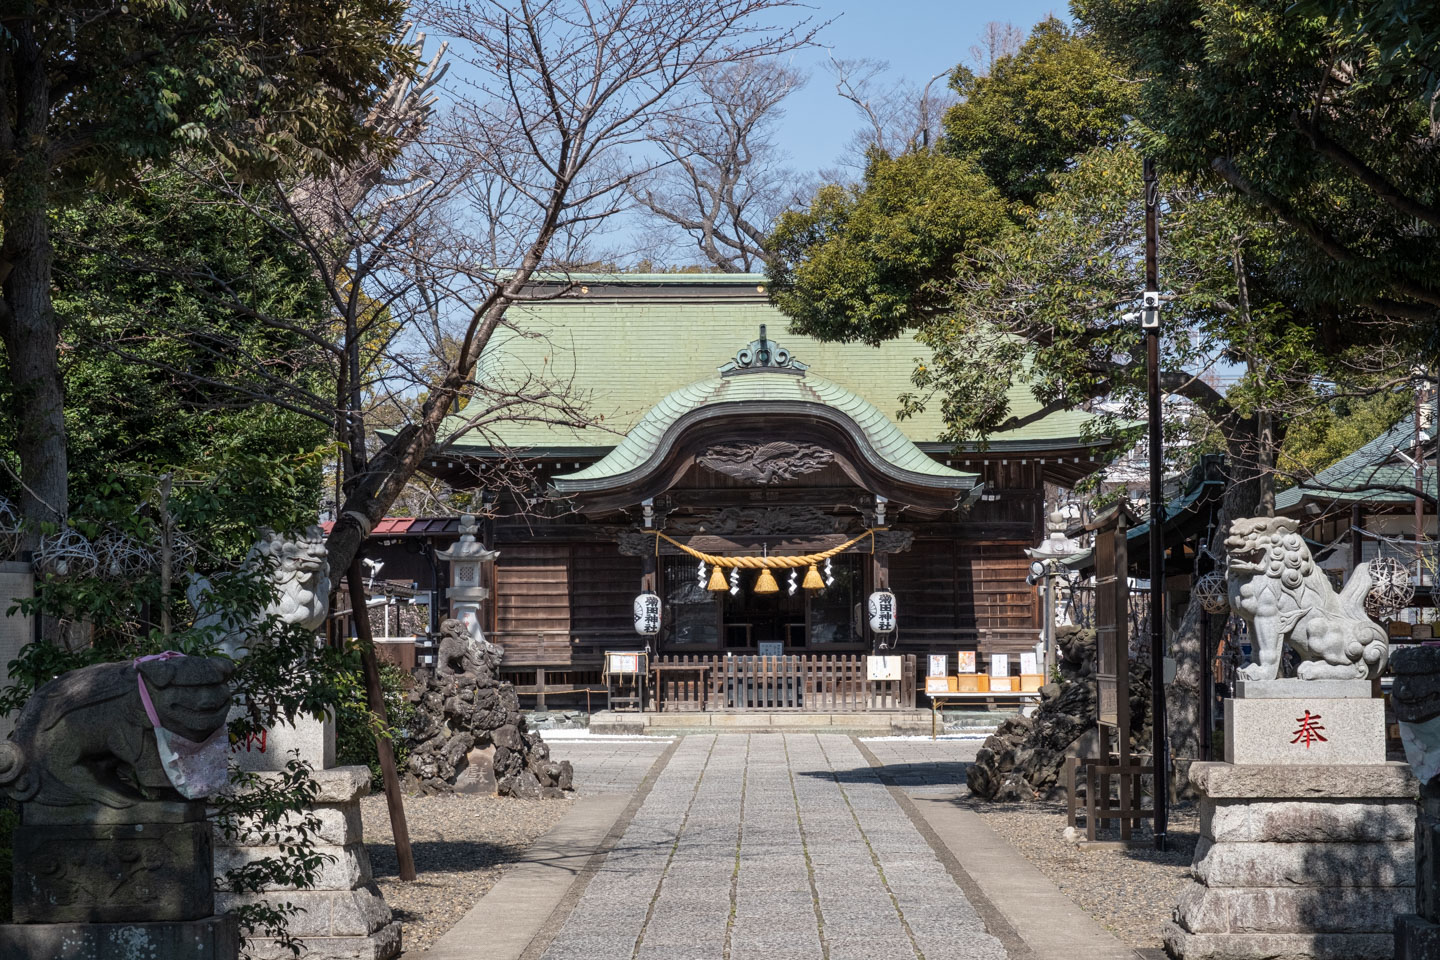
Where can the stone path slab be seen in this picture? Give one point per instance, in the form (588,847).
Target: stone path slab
(783,847)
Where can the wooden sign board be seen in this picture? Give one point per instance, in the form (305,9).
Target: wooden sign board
(884,668)
(937,684)
(622,662)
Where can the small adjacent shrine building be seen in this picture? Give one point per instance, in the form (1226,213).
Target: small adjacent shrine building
(722,433)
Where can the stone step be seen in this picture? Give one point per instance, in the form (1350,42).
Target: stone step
(889,723)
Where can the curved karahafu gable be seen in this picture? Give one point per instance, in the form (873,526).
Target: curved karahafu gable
(765,397)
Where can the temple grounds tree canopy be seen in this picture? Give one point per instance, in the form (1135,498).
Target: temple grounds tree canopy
(1320,113)
(1057,96)
(869,261)
(92,92)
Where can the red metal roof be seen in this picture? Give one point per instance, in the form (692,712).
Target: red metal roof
(409,527)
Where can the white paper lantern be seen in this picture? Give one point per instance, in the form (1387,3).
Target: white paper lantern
(647,614)
(881,607)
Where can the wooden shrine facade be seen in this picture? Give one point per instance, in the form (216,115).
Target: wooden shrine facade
(767,458)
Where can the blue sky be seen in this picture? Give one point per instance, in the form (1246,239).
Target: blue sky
(919,38)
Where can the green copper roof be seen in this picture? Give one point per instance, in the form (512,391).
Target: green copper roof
(1364,474)
(786,391)
(621,343)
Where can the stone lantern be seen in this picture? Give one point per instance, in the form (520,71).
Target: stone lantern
(1045,570)
(465,593)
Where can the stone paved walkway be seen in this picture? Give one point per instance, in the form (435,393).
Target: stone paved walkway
(608,766)
(773,847)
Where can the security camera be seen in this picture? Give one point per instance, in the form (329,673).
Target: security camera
(1150,311)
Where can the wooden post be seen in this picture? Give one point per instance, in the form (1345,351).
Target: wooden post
(1357,546)
(540,688)
(376,701)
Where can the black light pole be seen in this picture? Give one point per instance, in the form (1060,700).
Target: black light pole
(1150,321)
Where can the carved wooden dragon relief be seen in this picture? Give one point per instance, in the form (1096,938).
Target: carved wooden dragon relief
(771,462)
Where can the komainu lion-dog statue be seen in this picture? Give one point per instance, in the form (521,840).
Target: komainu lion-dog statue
(1277,588)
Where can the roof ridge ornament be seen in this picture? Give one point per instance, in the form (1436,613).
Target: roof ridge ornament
(763,356)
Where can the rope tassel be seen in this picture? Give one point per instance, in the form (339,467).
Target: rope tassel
(812,579)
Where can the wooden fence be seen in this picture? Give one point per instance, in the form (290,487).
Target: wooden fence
(812,684)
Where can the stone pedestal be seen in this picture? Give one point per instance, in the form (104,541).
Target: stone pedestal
(1304,722)
(344,915)
(1298,862)
(101,883)
(273,747)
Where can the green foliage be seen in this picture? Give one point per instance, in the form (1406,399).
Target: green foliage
(866,262)
(356,727)
(264,86)
(1321,123)
(157,288)
(1055,98)
(1330,432)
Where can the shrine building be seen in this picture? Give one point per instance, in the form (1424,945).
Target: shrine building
(720,434)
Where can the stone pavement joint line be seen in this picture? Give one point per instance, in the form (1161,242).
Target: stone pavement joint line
(781,847)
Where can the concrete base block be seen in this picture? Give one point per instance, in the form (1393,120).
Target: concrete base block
(276,746)
(1416,938)
(1312,730)
(343,917)
(1277,946)
(1294,688)
(346,868)
(211,938)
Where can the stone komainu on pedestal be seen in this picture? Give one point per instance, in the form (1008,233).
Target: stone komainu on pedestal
(1286,599)
(1306,830)
(111,862)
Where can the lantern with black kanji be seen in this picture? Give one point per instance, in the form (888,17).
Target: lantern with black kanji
(647,614)
(881,607)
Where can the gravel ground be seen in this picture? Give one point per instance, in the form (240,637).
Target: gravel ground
(1131,893)
(462,844)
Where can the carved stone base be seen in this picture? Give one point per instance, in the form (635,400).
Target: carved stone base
(112,872)
(210,938)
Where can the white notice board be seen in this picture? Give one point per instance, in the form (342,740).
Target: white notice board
(999,664)
(939,664)
(884,668)
(1027,663)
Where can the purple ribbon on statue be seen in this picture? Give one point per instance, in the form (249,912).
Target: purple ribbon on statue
(140,679)
(195,769)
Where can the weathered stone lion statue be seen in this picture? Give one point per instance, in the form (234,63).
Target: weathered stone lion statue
(1276,587)
(299,570)
(461,653)
(85,738)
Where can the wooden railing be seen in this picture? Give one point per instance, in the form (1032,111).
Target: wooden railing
(812,684)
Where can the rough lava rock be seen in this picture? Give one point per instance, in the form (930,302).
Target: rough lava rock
(1023,759)
(458,711)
